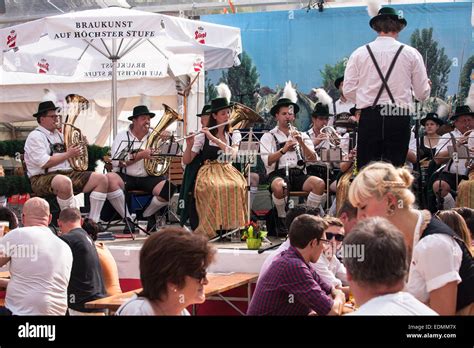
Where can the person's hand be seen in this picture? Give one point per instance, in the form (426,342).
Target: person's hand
(208,134)
(297,136)
(165,135)
(319,138)
(74,151)
(290,146)
(144,154)
(352,154)
(190,141)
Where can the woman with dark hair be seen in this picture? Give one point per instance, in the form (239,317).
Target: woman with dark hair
(220,189)
(107,261)
(173,265)
(468,216)
(6,214)
(456,222)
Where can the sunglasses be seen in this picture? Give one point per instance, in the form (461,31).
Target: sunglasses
(337,236)
(199,275)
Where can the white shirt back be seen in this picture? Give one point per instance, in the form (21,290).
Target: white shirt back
(399,303)
(40,269)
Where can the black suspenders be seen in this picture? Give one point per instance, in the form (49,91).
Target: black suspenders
(386,77)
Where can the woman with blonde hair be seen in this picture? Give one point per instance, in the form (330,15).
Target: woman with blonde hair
(441,271)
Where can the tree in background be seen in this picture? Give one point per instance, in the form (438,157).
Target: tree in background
(437,63)
(210,91)
(243,81)
(330,74)
(465,79)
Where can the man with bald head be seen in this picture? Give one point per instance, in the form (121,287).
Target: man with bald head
(40,265)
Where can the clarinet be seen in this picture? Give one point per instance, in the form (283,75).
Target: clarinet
(299,156)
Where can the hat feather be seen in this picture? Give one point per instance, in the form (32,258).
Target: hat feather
(373,7)
(470,101)
(443,108)
(49,96)
(223,91)
(289,92)
(322,96)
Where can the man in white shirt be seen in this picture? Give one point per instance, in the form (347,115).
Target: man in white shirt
(455,171)
(284,153)
(376,273)
(40,264)
(49,171)
(380,78)
(132,171)
(342,104)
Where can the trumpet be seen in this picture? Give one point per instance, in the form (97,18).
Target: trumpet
(299,155)
(333,137)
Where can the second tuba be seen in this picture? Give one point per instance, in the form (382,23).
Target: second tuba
(159,165)
(72,135)
(243,117)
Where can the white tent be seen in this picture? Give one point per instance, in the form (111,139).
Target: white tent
(112,57)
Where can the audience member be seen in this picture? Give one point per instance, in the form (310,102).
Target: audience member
(291,286)
(457,224)
(348,215)
(173,265)
(442,271)
(106,259)
(86,282)
(6,214)
(377,273)
(40,265)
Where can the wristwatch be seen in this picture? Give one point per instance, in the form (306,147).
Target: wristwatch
(281,151)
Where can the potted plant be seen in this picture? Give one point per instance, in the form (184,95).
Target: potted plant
(253,235)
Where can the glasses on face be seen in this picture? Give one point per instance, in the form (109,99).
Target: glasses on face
(324,240)
(337,236)
(199,275)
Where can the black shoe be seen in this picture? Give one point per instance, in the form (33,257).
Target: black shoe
(101,227)
(151,224)
(129,227)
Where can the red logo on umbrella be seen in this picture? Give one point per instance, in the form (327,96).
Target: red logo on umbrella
(200,35)
(198,65)
(11,39)
(43,66)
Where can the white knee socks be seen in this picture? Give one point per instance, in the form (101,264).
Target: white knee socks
(97,200)
(253,192)
(314,200)
(67,203)
(117,199)
(154,206)
(279,205)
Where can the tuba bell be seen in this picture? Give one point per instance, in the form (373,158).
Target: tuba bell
(243,117)
(72,135)
(159,165)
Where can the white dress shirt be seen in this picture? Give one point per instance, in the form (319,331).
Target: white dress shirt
(362,82)
(269,146)
(341,106)
(452,166)
(399,303)
(126,140)
(38,152)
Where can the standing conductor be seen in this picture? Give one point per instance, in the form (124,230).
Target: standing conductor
(381,78)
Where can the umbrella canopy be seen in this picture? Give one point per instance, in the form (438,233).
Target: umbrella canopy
(112,44)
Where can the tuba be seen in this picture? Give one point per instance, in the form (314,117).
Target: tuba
(243,117)
(159,165)
(72,135)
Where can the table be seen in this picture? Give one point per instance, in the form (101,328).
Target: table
(218,283)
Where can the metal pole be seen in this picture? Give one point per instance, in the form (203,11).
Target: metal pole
(114,91)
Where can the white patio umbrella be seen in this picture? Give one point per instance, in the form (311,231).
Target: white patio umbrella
(114,44)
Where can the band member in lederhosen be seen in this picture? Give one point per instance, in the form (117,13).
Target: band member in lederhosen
(281,147)
(133,171)
(49,171)
(380,78)
(342,104)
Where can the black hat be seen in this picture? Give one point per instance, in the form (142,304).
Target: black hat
(284,102)
(338,81)
(462,110)
(141,110)
(205,110)
(45,107)
(388,12)
(433,116)
(320,110)
(219,104)
(345,119)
